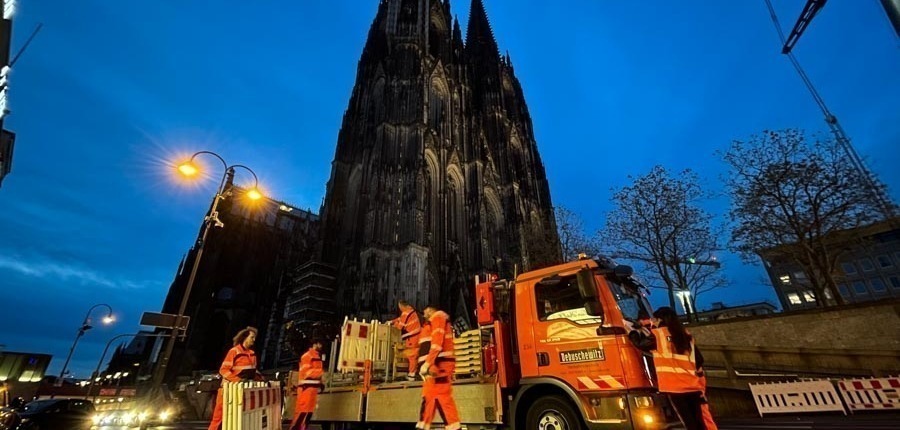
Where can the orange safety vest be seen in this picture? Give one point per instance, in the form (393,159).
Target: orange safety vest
(236,361)
(676,373)
(441,350)
(311,369)
(408,323)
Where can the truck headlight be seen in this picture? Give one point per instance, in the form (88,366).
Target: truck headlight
(643,401)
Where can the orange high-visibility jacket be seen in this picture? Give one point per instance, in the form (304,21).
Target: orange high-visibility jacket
(441,350)
(408,323)
(236,361)
(311,369)
(424,342)
(676,373)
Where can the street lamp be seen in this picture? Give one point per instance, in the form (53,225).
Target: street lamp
(190,169)
(85,326)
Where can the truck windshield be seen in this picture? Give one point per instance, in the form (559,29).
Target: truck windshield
(560,299)
(630,301)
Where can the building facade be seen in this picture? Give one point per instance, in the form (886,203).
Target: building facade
(436,175)
(869,268)
(241,281)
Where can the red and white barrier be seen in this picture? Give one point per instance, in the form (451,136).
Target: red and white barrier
(870,393)
(794,397)
(251,406)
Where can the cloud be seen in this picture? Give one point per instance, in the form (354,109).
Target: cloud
(45,268)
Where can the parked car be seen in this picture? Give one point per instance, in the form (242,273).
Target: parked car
(50,414)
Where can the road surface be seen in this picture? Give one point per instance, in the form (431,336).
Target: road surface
(872,421)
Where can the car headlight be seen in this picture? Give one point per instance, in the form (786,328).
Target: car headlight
(97,419)
(164,416)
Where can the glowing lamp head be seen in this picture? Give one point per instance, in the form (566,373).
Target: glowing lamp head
(108,319)
(254,194)
(188,169)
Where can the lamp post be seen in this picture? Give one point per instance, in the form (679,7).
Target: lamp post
(190,169)
(85,326)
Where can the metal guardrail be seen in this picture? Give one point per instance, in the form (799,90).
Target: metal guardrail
(736,366)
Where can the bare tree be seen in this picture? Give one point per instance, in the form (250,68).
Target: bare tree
(657,221)
(572,237)
(790,197)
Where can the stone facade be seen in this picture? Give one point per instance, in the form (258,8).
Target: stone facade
(243,280)
(436,176)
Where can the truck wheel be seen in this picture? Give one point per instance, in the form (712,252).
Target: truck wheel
(552,413)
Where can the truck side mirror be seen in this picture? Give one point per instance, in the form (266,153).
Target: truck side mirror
(623,271)
(588,289)
(593,308)
(586,285)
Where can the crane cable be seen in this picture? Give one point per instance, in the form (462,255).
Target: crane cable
(887,207)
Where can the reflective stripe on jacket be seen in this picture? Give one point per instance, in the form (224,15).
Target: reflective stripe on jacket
(236,361)
(408,323)
(441,348)
(676,373)
(311,368)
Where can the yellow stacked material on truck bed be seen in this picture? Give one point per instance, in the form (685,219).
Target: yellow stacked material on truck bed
(467,349)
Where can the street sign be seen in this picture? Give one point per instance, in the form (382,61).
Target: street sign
(160,320)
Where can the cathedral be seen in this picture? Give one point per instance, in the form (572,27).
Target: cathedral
(436,176)
(436,179)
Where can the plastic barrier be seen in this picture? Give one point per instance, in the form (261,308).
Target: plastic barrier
(356,345)
(251,406)
(870,393)
(361,341)
(798,396)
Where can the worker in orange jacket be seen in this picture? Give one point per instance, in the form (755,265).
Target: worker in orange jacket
(677,363)
(437,391)
(410,329)
(309,380)
(239,364)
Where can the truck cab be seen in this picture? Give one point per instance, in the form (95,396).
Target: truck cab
(563,348)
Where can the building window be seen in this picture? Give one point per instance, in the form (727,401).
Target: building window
(844,291)
(866,264)
(849,268)
(895,282)
(828,295)
(809,297)
(799,276)
(859,287)
(877,285)
(785,279)
(884,261)
(794,298)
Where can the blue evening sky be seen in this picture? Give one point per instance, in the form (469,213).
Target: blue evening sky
(110,89)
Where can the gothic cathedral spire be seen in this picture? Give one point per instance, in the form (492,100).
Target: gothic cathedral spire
(428,188)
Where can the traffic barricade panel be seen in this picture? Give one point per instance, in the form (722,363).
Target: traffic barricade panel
(796,397)
(870,393)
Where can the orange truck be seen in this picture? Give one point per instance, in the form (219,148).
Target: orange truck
(554,354)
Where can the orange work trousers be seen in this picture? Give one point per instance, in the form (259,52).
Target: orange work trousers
(307,397)
(216,422)
(704,408)
(708,418)
(411,351)
(437,397)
